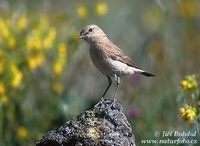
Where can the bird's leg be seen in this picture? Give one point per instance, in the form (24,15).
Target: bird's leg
(117,87)
(109,84)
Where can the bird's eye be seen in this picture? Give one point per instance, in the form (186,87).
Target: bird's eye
(90,30)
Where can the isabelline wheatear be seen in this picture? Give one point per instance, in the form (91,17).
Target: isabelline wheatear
(108,58)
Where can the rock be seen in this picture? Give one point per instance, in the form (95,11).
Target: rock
(103,125)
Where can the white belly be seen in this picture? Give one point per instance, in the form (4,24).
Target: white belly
(119,68)
(108,66)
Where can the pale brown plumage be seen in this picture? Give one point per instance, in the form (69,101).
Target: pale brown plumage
(116,54)
(107,57)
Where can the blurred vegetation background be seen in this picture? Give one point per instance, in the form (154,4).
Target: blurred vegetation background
(46,76)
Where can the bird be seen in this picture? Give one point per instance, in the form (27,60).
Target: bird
(109,59)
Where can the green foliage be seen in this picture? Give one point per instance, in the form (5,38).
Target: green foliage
(46,76)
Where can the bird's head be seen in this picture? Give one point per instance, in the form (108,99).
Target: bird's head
(92,33)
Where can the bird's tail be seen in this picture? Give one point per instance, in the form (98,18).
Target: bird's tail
(138,70)
(147,74)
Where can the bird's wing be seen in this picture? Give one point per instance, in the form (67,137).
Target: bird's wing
(116,54)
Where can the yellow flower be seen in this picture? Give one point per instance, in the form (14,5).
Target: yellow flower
(32,63)
(184,84)
(189,82)
(58,87)
(2,88)
(81,10)
(182,111)
(22,132)
(58,67)
(101,8)
(1,67)
(60,61)
(188,113)
(48,40)
(2,61)
(16,76)
(11,42)
(21,22)
(62,48)
(62,52)
(4,28)
(34,42)
(35,61)
(191,113)
(188,8)
(3,99)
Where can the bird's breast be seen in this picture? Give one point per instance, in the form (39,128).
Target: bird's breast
(99,58)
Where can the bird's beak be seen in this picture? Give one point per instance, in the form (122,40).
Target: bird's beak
(80,37)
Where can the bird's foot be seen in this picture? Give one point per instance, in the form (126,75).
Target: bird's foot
(109,103)
(103,98)
(113,102)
